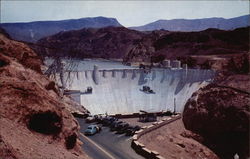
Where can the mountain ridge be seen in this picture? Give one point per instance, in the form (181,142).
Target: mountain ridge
(196,24)
(33,31)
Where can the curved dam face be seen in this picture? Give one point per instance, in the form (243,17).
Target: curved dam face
(120,91)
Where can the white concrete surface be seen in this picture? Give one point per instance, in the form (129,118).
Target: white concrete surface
(118,91)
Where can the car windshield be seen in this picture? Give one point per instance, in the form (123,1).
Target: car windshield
(90,127)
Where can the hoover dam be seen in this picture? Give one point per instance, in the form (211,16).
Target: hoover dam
(119,91)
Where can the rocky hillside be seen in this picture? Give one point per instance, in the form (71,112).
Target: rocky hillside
(110,42)
(34,119)
(132,45)
(33,31)
(208,42)
(196,24)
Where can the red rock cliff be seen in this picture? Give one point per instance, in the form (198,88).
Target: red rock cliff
(34,119)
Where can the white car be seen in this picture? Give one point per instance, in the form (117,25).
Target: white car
(92,129)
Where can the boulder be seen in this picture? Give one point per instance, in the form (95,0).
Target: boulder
(221,115)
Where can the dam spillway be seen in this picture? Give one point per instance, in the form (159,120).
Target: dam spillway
(119,90)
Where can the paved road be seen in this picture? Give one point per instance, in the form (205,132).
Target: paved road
(107,144)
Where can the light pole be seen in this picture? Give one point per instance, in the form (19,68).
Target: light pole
(174,106)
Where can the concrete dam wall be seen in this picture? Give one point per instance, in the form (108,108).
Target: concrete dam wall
(120,90)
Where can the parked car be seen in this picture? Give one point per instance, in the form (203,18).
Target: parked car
(92,129)
(86,115)
(79,114)
(90,119)
(117,125)
(99,118)
(108,120)
(122,128)
(168,113)
(114,125)
(148,117)
(132,129)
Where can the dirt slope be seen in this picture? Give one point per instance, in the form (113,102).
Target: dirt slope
(173,141)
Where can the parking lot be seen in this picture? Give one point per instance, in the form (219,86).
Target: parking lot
(106,144)
(109,137)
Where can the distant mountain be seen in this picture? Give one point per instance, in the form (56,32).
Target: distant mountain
(33,31)
(196,24)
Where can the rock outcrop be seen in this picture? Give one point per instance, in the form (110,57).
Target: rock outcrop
(34,119)
(20,52)
(221,115)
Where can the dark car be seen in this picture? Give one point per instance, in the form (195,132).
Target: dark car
(148,117)
(117,125)
(168,113)
(132,129)
(122,128)
(99,118)
(108,120)
(114,125)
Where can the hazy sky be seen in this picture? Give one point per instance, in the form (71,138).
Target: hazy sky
(128,13)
